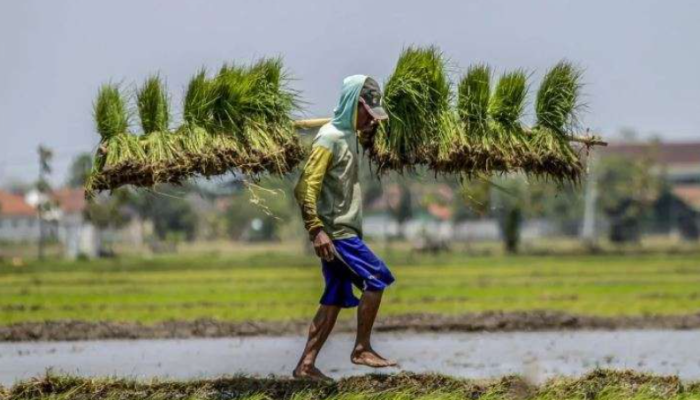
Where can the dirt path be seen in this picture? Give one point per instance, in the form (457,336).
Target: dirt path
(535,355)
(208,328)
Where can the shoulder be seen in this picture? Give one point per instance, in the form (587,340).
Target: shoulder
(328,136)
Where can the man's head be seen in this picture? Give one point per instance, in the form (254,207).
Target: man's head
(369,109)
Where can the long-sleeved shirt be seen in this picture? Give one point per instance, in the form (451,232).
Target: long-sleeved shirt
(328,190)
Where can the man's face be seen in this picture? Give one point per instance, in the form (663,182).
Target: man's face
(366,123)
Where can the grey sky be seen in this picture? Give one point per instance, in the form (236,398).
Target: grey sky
(641,57)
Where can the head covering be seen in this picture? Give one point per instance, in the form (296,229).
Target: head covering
(345,114)
(371,98)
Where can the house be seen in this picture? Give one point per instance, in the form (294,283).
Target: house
(19,221)
(680,161)
(677,211)
(75,232)
(66,222)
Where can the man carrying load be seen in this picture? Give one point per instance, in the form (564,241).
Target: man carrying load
(329,195)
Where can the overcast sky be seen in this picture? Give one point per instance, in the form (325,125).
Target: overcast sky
(642,58)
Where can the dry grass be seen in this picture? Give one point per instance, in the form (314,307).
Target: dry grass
(599,384)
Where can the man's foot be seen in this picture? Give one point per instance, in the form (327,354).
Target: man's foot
(301,372)
(371,359)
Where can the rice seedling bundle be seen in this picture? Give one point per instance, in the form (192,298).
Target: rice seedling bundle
(163,148)
(506,109)
(482,132)
(492,138)
(238,120)
(556,107)
(212,154)
(112,122)
(417,99)
(247,110)
(152,103)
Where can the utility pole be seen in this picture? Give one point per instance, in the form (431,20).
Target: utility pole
(44,190)
(588,231)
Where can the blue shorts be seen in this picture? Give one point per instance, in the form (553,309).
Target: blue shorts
(354,264)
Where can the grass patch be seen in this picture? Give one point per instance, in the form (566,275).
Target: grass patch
(599,384)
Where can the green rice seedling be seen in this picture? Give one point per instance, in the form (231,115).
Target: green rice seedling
(557,107)
(110,112)
(202,140)
(119,152)
(254,105)
(197,148)
(474,93)
(558,98)
(417,99)
(279,103)
(508,101)
(153,107)
(473,96)
(506,136)
(198,101)
(492,138)
(165,158)
(123,149)
(121,158)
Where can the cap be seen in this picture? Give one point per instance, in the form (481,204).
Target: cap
(371,97)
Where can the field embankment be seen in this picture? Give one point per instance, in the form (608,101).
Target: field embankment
(600,384)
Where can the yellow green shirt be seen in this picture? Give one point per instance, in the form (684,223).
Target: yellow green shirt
(328,190)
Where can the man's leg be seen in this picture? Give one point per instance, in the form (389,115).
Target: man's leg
(363,353)
(320,328)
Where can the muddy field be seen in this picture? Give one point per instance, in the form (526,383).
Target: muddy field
(210,328)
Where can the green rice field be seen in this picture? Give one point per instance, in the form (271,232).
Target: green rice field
(275,286)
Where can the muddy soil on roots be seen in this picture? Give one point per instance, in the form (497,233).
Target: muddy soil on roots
(210,328)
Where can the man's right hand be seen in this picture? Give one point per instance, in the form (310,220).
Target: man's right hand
(323,245)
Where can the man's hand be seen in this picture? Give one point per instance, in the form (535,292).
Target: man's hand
(323,245)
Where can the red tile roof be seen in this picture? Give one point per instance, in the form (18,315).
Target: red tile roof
(70,200)
(15,206)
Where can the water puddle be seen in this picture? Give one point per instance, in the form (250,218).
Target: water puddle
(537,355)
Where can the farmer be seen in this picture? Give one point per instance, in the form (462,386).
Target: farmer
(329,195)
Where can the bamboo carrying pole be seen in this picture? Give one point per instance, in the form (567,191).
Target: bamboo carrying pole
(311,123)
(588,140)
